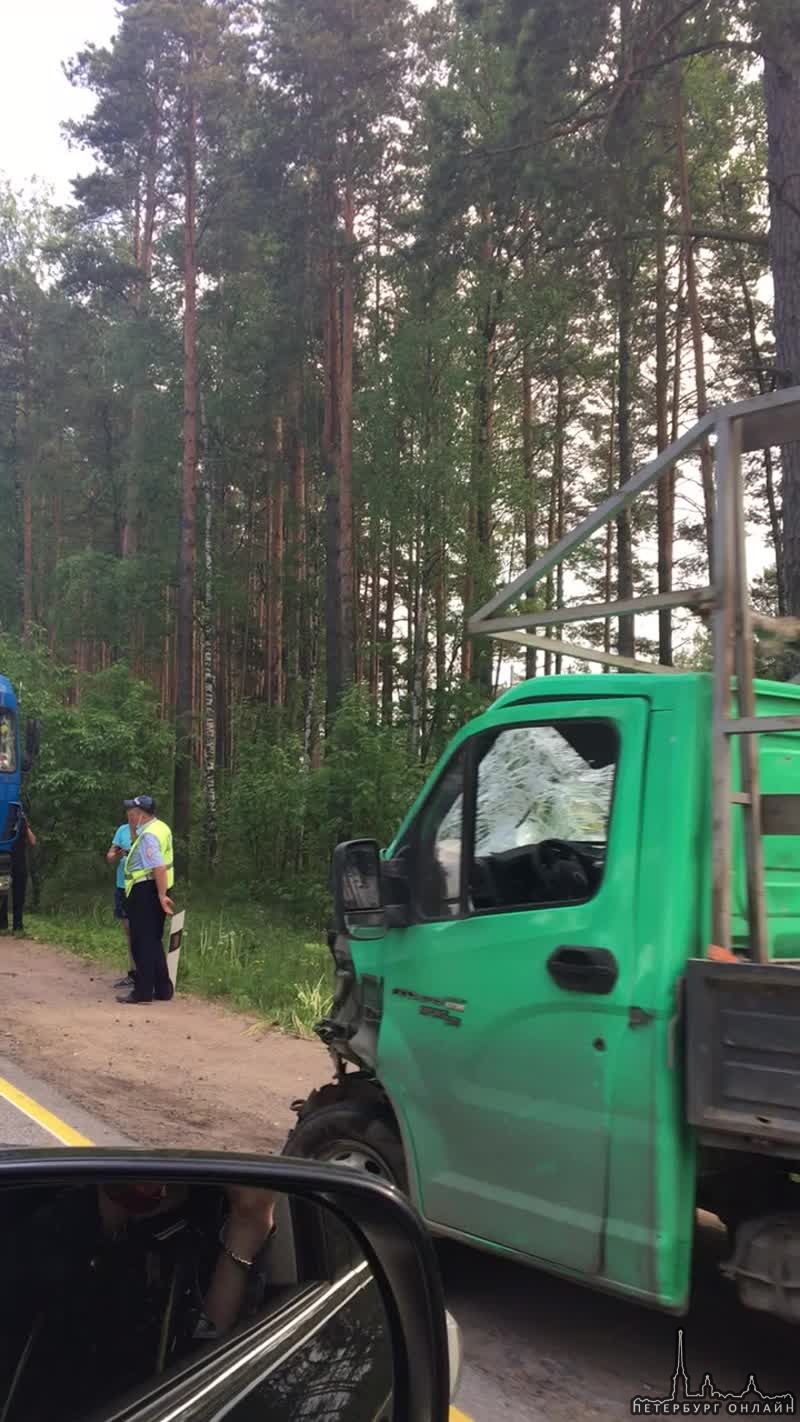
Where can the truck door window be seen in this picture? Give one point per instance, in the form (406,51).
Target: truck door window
(437,881)
(8,741)
(542,810)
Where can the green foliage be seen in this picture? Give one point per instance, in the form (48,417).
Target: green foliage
(283,818)
(280,817)
(98,746)
(367,780)
(511,166)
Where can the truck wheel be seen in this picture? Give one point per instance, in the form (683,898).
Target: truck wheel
(344,1130)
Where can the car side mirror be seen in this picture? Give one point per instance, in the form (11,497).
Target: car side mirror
(358,889)
(170,1284)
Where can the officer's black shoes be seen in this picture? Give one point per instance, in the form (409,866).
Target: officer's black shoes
(128,981)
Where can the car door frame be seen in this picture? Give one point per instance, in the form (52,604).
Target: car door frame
(395,1244)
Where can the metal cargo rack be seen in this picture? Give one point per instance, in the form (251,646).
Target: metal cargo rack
(764,422)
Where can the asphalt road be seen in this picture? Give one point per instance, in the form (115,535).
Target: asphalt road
(536,1349)
(33,1114)
(542,1350)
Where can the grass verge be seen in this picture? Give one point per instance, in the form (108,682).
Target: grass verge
(242,954)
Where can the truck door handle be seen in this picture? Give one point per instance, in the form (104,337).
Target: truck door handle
(583,969)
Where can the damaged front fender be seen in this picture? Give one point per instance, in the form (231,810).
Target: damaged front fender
(350,1032)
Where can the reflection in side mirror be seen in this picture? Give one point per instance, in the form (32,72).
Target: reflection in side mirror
(116,1286)
(358,891)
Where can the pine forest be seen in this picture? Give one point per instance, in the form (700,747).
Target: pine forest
(357,306)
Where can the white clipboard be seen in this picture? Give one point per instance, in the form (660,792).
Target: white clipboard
(174,948)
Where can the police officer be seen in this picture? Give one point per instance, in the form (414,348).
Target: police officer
(149,876)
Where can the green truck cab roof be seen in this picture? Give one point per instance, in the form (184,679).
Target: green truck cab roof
(576,686)
(659,688)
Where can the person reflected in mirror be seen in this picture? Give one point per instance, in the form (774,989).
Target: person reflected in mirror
(111,1285)
(117,853)
(25,840)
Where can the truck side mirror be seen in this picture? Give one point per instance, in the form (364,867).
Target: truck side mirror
(357,889)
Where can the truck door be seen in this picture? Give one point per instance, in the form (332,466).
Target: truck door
(506,998)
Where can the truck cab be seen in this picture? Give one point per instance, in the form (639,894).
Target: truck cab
(14,764)
(567,1012)
(10,780)
(510,1037)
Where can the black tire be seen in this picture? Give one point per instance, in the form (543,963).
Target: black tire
(336,1125)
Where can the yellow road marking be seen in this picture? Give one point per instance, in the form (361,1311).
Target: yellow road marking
(456,1416)
(44,1118)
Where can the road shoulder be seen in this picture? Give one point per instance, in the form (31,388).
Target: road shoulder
(188,1073)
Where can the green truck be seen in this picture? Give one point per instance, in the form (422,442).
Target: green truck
(529,1034)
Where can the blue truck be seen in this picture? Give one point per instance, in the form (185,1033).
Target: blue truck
(13,765)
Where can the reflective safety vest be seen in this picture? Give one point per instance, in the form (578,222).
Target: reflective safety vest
(163,834)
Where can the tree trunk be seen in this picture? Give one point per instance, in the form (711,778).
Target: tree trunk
(296,570)
(387,671)
(416,725)
(378,268)
(183,699)
(310,661)
(415,642)
(359,593)
(608,571)
(549,586)
(782,99)
(665,491)
(55,555)
(375,612)
(769,465)
(531,483)
(628,192)
(441,620)
(275,495)
(677,363)
(626,638)
(331,435)
(706,457)
(558,486)
(477,655)
(144,242)
(263,587)
(468,644)
(347,583)
(27,552)
(209,665)
(24,471)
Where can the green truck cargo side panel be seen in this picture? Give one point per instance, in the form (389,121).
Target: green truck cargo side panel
(552,1123)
